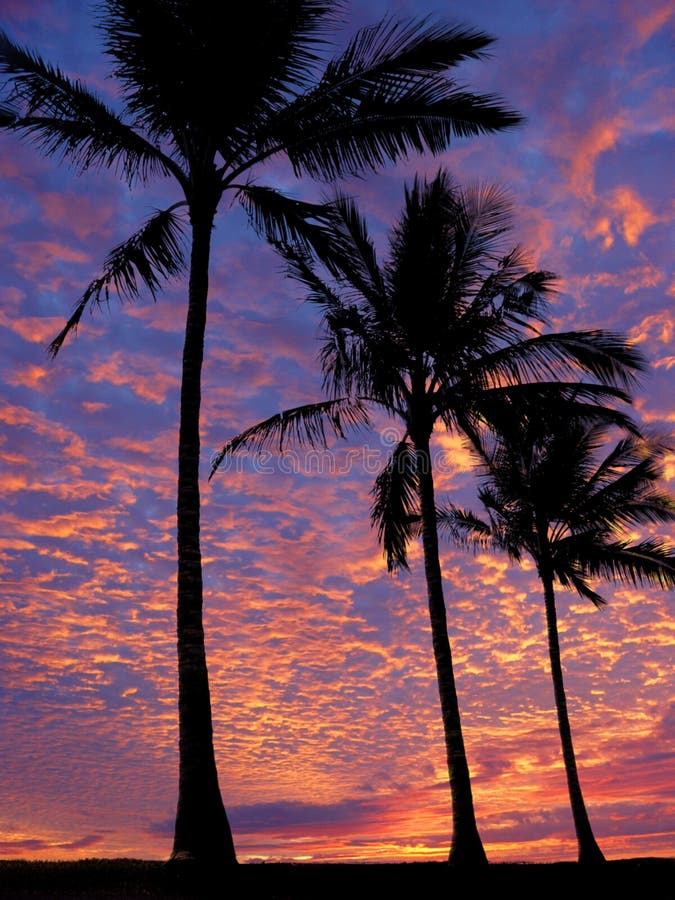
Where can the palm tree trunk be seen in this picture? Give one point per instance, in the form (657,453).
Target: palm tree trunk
(589,851)
(466,847)
(202,831)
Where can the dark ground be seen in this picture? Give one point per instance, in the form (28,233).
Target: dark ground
(127,879)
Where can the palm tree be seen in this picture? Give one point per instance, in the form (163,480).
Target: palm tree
(435,337)
(209,120)
(549,497)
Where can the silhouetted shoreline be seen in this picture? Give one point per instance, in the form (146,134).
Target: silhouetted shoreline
(130,879)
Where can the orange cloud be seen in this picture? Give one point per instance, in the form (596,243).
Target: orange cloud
(32,329)
(137,372)
(585,150)
(632,213)
(31,376)
(657,326)
(650,19)
(94,407)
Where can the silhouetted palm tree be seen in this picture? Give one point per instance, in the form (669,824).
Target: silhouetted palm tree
(209,118)
(436,337)
(549,496)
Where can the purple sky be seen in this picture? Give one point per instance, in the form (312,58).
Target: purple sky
(328,731)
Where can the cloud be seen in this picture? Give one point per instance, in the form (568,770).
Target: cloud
(136,372)
(33,258)
(36,846)
(93,217)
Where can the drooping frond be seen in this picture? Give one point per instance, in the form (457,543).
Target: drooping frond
(355,356)
(150,256)
(64,118)
(283,220)
(341,322)
(301,425)
(570,576)
(395,507)
(354,359)
(466,529)
(354,262)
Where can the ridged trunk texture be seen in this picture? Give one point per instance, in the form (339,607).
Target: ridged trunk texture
(589,851)
(466,847)
(202,831)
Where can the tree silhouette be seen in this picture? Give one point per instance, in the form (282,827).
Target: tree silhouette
(549,496)
(209,119)
(437,336)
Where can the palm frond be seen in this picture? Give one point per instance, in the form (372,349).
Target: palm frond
(512,410)
(152,255)
(606,356)
(300,267)
(621,491)
(8,115)
(570,576)
(480,219)
(355,258)
(649,562)
(514,289)
(403,49)
(303,425)
(426,118)
(542,408)
(284,221)
(466,529)
(383,97)
(65,118)
(395,507)
(526,298)
(347,331)
(629,500)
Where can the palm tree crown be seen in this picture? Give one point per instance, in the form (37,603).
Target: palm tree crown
(552,495)
(448,328)
(549,493)
(208,119)
(386,95)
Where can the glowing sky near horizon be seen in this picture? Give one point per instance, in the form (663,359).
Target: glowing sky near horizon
(327,725)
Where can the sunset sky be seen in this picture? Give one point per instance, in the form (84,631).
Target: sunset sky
(327,721)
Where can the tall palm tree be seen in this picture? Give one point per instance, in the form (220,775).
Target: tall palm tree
(209,119)
(549,496)
(435,337)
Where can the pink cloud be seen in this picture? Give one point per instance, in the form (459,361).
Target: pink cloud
(136,372)
(34,257)
(632,214)
(92,217)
